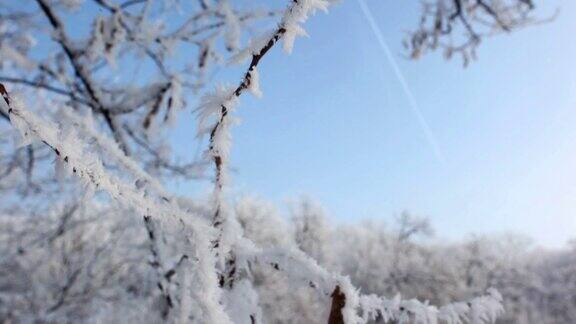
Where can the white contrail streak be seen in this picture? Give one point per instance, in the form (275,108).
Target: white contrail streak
(400,76)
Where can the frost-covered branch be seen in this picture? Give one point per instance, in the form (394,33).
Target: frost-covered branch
(80,70)
(86,125)
(158,266)
(204,264)
(298,266)
(348,305)
(71,152)
(91,66)
(214,119)
(458,26)
(215,108)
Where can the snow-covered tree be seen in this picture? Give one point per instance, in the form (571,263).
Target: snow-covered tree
(96,93)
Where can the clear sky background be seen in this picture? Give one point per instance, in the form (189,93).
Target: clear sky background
(336,125)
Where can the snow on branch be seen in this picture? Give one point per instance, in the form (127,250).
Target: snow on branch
(91,67)
(215,108)
(86,125)
(80,161)
(458,26)
(222,240)
(483,309)
(73,154)
(350,306)
(214,119)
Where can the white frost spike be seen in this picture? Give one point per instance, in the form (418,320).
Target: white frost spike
(255,83)
(210,107)
(185,302)
(26,137)
(90,169)
(486,309)
(211,121)
(232,35)
(254,47)
(61,169)
(297,15)
(242,303)
(290,35)
(176,93)
(86,126)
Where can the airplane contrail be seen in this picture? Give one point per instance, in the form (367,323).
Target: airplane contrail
(400,76)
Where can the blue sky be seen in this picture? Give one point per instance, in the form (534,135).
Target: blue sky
(335,124)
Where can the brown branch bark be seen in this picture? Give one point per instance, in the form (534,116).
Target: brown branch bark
(338,303)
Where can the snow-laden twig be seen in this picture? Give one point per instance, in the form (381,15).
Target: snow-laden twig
(80,69)
(158,266)
(215,108)
(73,154)
(86,125)
(483,309)
(300,268)
(214,118)
(355,307)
